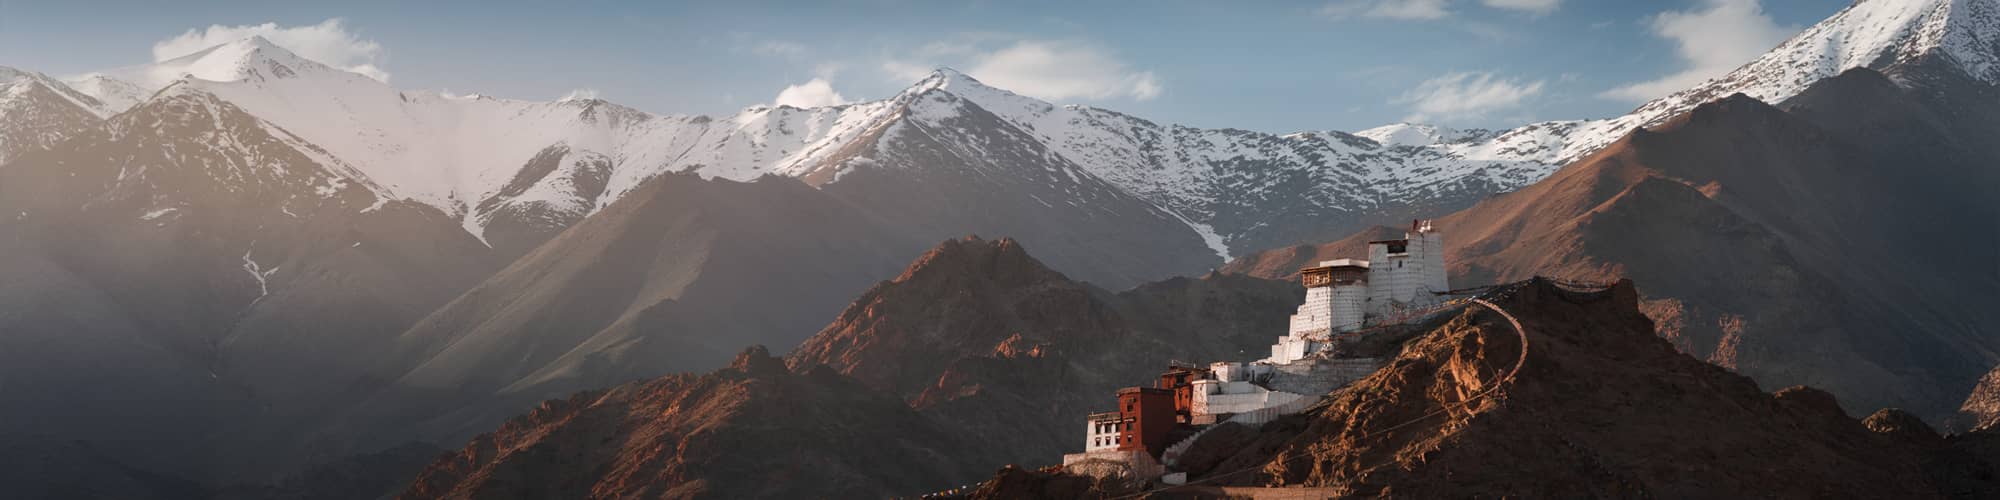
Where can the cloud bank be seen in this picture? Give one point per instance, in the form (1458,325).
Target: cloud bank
(1712,40)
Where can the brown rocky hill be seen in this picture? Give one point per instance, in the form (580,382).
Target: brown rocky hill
(1587,403)
(975,357)
(1830,242)
(752,430)
(982,337)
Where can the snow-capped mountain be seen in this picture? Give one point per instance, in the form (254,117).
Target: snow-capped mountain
(494,163)
(487,161)
(1870,33)
(37,111)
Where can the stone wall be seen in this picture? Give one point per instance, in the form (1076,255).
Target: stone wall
(1318,376)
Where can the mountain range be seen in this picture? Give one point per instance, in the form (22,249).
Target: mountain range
(288,264)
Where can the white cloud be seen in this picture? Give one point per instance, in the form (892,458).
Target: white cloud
(1466,96)
(1712,40)
(583,94)
(1063,70)
(811,94)
(1387,9)
(328,43)
(1537,7)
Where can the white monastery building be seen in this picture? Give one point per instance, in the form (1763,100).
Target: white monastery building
(1155,425)
(1346,294)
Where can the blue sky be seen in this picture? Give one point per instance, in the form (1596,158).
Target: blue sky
(1268,66)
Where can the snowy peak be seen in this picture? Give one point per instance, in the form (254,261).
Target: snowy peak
(1877,33)
(1873,34)
(1011,106)
(37,111)
(252,59)
(15,84)
(1870,33)
(1419,135)
(249,59)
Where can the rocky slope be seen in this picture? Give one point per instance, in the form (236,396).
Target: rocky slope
(1587,403)
(977,354)
(192,256)
(670,278)
(1776,242)
(751,430)
(1981,408)
(986,339)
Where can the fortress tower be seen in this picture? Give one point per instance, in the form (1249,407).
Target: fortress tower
(1343,295)
(1404,273)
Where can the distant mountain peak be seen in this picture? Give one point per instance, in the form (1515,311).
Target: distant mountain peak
(1867,34)
(252,58)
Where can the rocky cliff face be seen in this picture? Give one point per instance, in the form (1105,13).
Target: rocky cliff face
(752,430)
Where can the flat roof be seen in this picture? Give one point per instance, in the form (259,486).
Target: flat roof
(1343,263)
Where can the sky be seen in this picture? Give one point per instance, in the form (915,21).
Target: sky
(1267,66)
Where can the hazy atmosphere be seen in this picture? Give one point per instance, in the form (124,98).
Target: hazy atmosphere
(1000,250)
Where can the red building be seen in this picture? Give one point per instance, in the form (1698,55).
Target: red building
(1180,380)
(1147,414)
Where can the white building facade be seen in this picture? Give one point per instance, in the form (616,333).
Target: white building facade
(1103,432)
(1406,273)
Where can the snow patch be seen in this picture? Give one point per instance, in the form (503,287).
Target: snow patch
(149,216)
(257,272)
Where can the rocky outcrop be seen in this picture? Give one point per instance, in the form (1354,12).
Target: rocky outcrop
(1981,409)
(752,430)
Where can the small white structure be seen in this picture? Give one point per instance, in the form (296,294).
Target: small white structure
(1103,432)
(1235,388)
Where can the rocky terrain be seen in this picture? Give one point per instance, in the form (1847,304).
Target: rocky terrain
(290,266)
(977,355)
(751,430)
(1752,228)
(983,337)
(1588,403)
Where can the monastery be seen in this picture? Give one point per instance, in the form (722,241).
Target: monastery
(1152,426)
